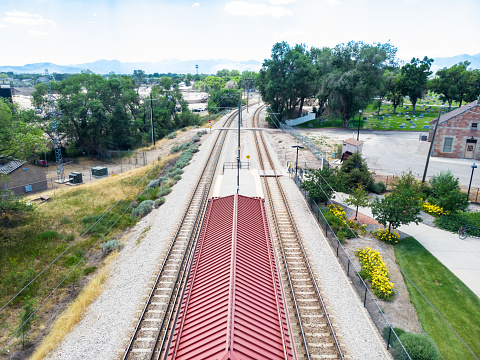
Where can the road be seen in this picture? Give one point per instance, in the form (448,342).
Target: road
(392,152)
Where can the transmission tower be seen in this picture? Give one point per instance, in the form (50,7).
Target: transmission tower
(56,138)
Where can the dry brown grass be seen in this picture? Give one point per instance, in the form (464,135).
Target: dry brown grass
(74,313)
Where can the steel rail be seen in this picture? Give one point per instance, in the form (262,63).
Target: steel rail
(167,256)
(307,263)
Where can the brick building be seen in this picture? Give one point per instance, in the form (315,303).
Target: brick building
(458,133)
(23,177)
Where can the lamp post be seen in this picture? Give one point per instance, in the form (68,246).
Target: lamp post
(359,118)
(296,162)
(474,166)
(430,150)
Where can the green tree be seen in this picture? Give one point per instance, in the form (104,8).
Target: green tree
(188,79)
(414,79)
(223,99)
(473,90)
(402,206)
(357,75)
(317,184)
(452,83)
(358,197)
(354,172)
(139,76)
(446,192)
(393,87)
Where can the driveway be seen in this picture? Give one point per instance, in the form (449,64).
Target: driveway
(392,152)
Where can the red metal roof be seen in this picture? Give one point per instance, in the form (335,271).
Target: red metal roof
(233,308)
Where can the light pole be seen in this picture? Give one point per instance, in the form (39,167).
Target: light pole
(471,177)
(296,162)
(359,118)
(431,144)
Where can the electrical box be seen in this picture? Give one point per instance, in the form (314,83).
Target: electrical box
(99,171)
(75,178)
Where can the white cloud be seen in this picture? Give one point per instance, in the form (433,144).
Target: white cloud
(196,5)
(239,8)
(281,2)
(37,33)
(23,18)
(289,35)
(411,1)
(333,2)
(94,14)
(3,26)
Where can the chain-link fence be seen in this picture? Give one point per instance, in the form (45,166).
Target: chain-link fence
(379,318)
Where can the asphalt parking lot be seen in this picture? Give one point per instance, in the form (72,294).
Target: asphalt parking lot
(392,152)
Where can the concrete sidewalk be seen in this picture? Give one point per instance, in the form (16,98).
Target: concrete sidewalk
(461,257)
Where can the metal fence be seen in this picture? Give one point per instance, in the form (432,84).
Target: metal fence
(134,160)
(319,154)
(383,325)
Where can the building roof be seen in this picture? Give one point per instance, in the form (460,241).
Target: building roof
(11,166)
(232,307)
(456,112)
(353,142)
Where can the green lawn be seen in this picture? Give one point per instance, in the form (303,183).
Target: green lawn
(425,111)
(453,299)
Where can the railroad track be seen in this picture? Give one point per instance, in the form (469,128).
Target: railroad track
(318,339)
(150,334)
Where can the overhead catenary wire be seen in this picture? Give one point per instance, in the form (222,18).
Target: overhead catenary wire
(72,244)
(408,278)
(82,259)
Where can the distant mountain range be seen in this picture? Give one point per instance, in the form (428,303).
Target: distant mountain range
(442,62)
(164,66)
(184,67)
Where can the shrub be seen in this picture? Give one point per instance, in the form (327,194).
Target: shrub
(177,177)
(48,235)
(446,192)
(393,338)
(455,220)
(195,139)
(143,209)
(417,346)
(160,201)
(433,209)
(379,188)
(164,190)
(172,135)
(110,245)
(377,270)
(148,194)
(89,270)
(65,220)
(389,237)
(345,233)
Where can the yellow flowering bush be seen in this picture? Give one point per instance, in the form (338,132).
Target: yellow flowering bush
(375,270)
(389,237)
(338,211)
(433,209)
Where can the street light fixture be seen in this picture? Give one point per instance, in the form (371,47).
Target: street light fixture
(474,166)
(359,118)
(296,162)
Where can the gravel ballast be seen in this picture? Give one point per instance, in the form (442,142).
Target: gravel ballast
(106,327)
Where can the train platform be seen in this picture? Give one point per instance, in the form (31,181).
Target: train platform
(250,183)
(232,305)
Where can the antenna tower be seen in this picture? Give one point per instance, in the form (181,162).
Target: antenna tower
(56,138)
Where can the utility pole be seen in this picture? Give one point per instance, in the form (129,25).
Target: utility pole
(151,119)
(431,145)
(56,138)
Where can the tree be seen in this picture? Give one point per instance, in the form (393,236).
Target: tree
(20,138)
(473,92)
(358,197)
(452,83)
(446,192)
(354,172)
(139,76)
(393,87)
(223,99)
(414,79)
(357,75)
(402,206)
(188,79)
(317,184)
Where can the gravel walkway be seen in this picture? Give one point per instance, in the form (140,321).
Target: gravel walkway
(106,327)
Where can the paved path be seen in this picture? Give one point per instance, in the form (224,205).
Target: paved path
(461,257)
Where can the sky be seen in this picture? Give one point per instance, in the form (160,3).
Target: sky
(69,32)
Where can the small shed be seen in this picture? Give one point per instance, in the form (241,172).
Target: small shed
(23,177)
(351,146)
